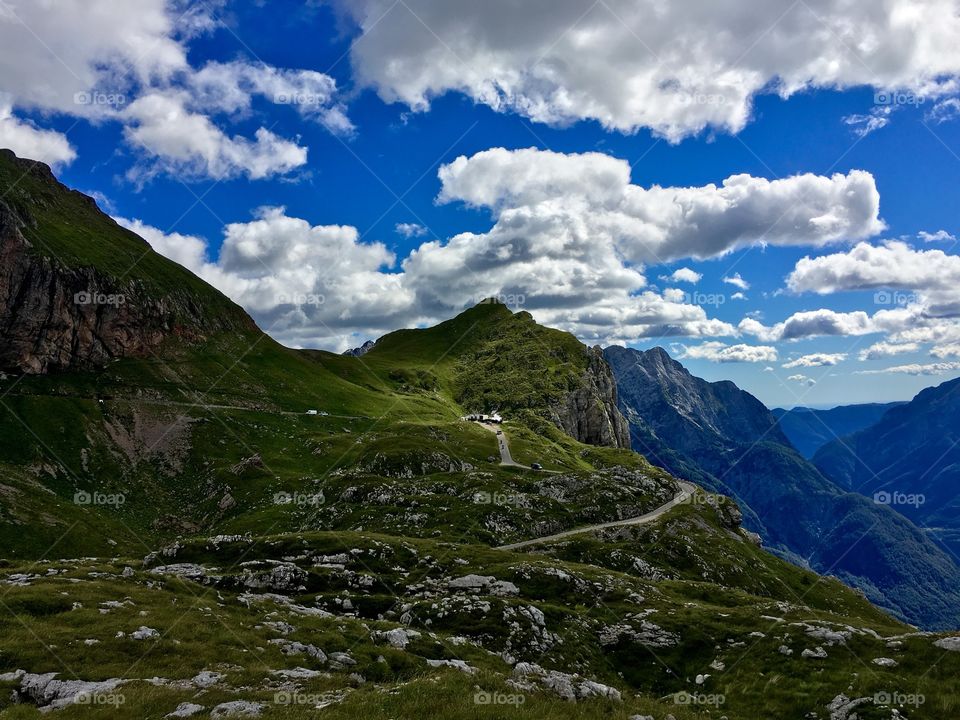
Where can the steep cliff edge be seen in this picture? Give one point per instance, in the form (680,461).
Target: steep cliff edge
(77,290)
(590,413)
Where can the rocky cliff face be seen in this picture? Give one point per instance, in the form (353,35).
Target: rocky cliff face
(689,411)
(56,317)
(590,413)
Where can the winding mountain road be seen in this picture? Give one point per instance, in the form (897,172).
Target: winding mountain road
(686,491)
(505,457)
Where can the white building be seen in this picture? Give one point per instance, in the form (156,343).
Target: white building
(480,417)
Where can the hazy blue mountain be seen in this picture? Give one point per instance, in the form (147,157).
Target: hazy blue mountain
(724,438)
(909,459)
(809,429)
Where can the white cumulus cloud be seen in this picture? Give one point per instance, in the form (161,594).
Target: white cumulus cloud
(676,67)
(190,144)
(683,275)
(886,349)
(128,62)
(719,352)
(660,224)
(736,281)
(310,286)
(28,141)
(916,369)
(933,274)
(410,230)
(816,360)
(811,323)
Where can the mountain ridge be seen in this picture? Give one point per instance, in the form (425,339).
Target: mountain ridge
(909,460)
(59,312)
(810,429)
(698,430)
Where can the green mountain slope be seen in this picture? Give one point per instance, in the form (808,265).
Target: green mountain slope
(178,531)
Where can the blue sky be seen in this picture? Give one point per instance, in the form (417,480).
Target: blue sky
(310,211)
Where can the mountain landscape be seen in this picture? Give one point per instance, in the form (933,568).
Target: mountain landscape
(726,440)
(907,460)
(200,522)
(809,429)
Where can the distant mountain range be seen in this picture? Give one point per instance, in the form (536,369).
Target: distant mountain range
(725,439)
(909,459)
(809,429)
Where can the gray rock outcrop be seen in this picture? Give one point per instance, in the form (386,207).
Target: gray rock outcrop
(590,413)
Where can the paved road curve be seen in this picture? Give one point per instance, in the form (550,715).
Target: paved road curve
(686,490)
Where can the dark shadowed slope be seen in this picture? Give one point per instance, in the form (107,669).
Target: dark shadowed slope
(809,429)
(910,460)
(724,438)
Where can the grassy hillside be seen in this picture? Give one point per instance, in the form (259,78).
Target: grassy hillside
(67,226)
(487,358)
(355,523)
(177,527)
